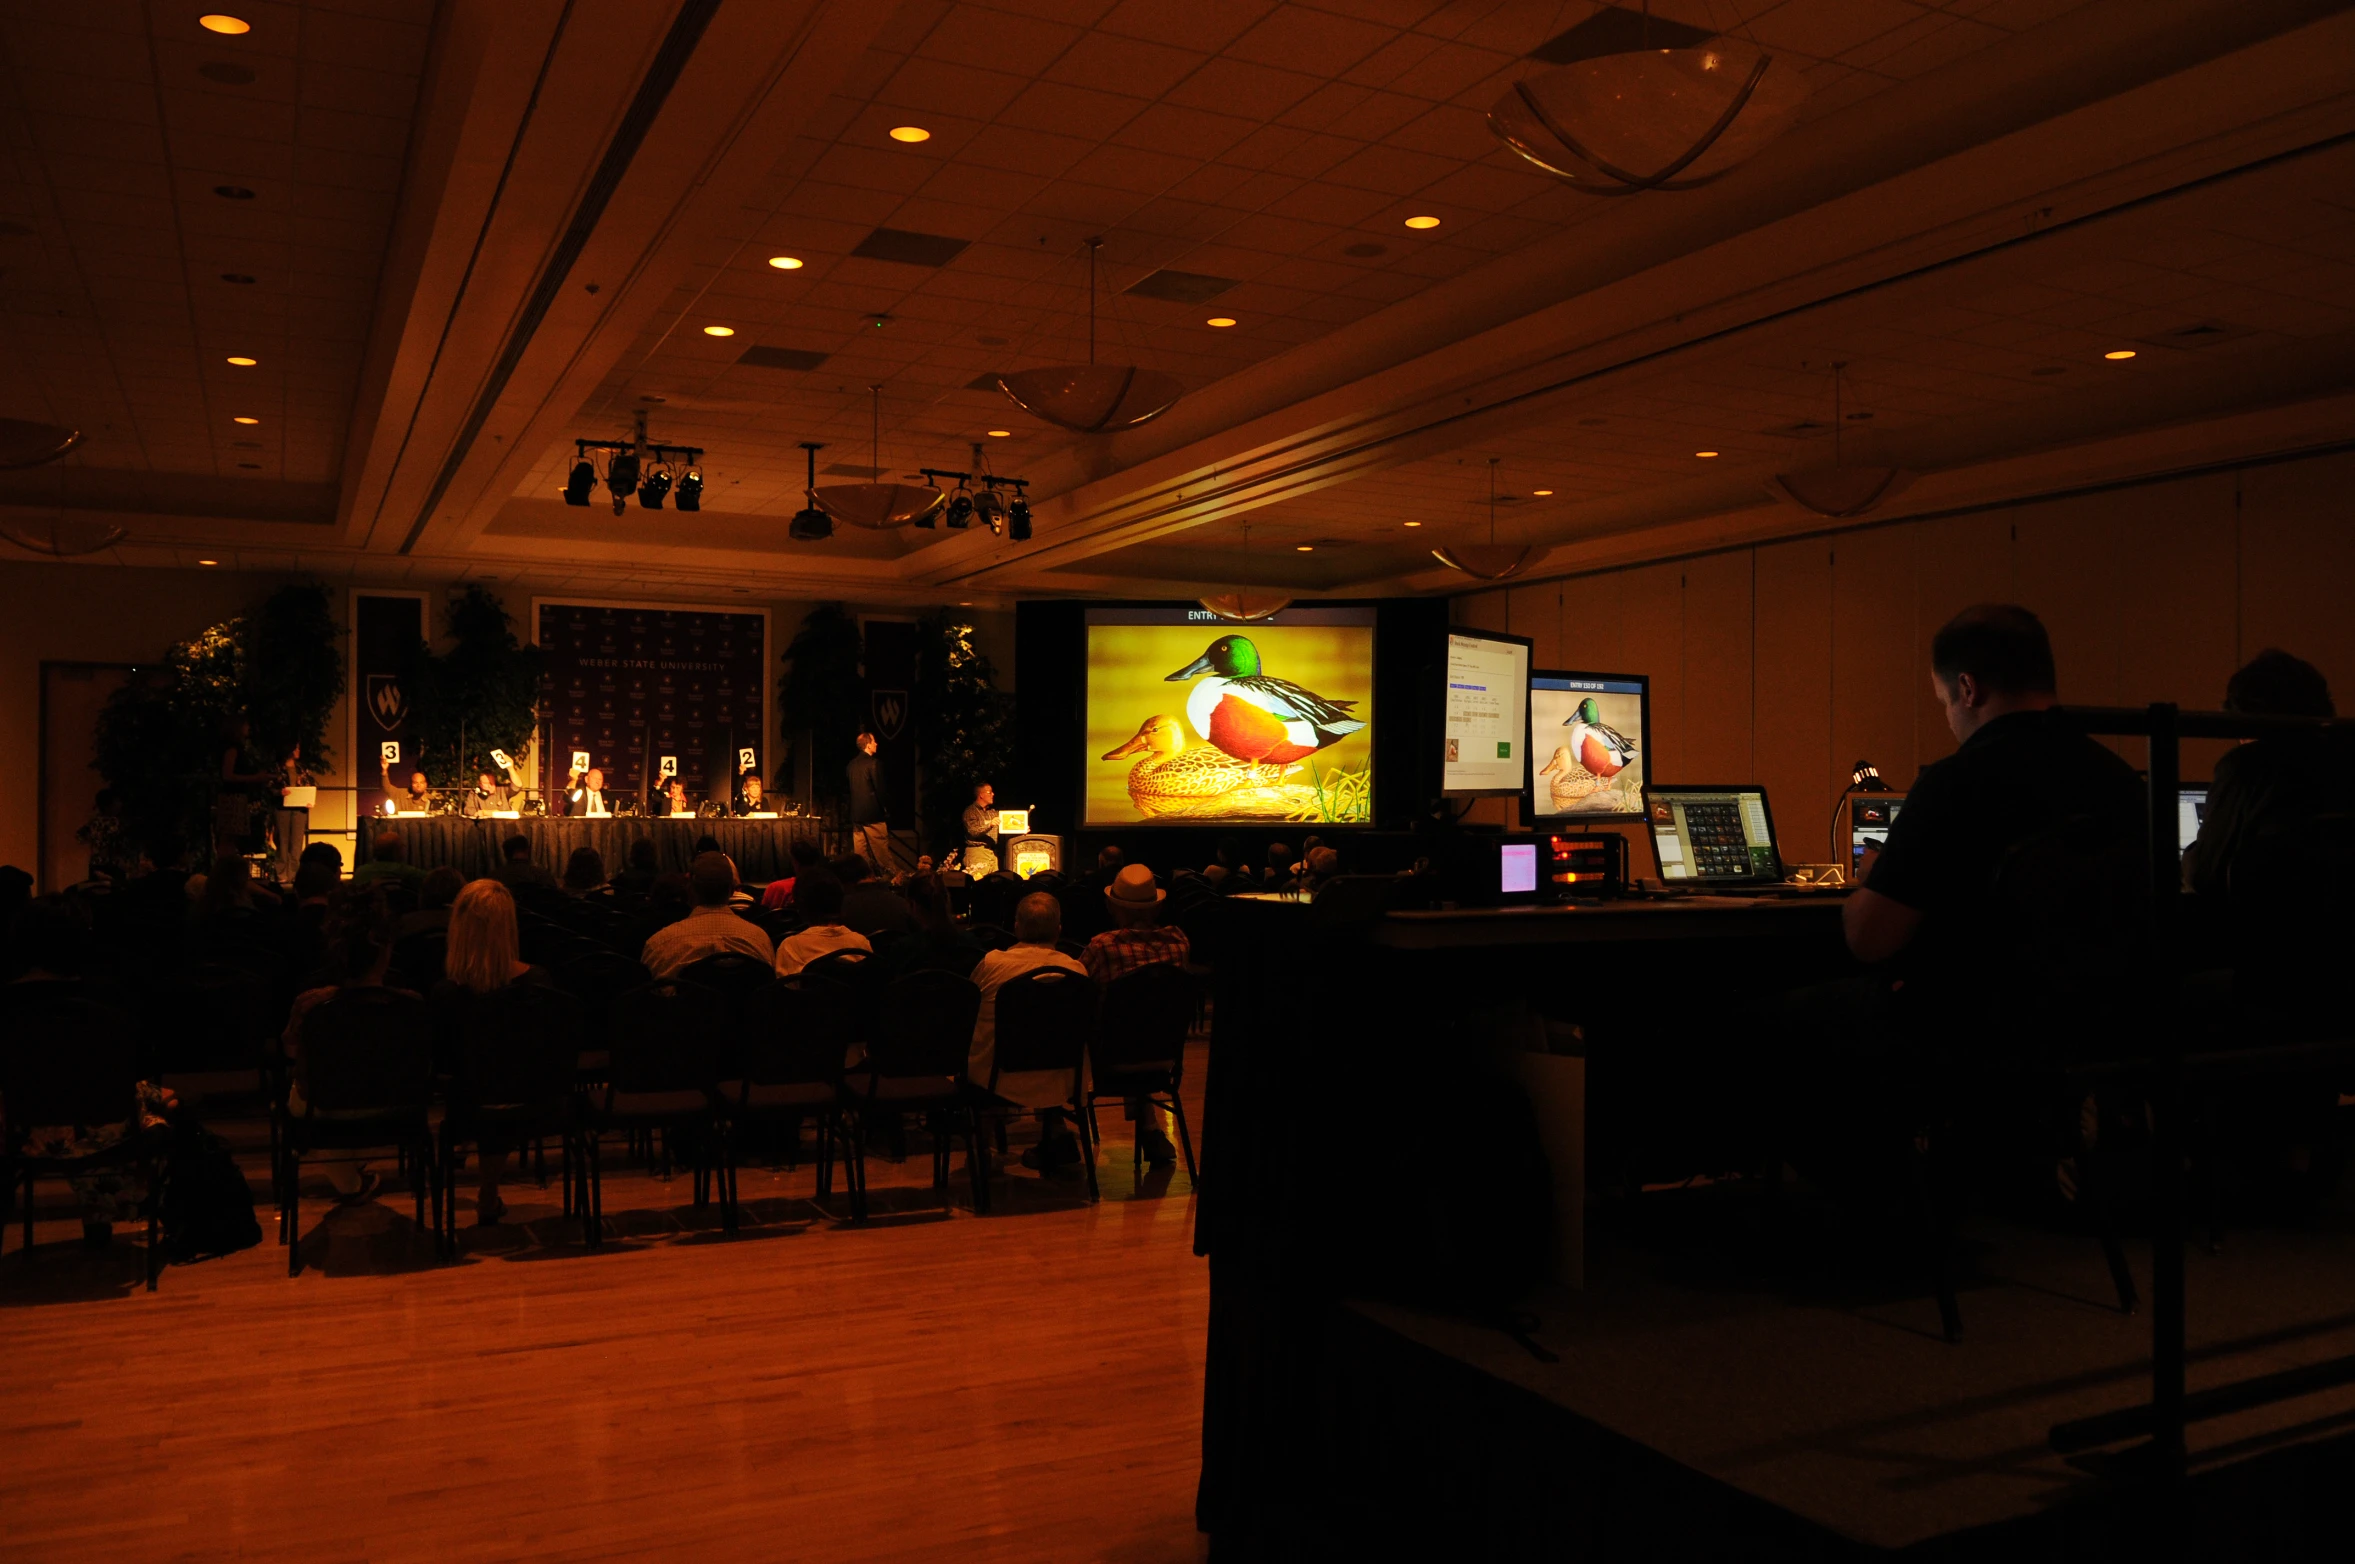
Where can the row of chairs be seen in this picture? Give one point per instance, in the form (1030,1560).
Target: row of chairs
(706,1058)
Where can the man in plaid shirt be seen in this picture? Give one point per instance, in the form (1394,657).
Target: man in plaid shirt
(1135,941)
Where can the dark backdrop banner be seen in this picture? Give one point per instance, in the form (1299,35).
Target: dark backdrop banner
(630,685)
(383,631)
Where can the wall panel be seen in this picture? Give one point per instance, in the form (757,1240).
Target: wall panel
(1876,671)
(1794,692)
(2297,533)
(1718,700)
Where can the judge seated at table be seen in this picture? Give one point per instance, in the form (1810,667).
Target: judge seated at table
(490,795)
(417,800)
(675,803)
(753,798)
(584,795)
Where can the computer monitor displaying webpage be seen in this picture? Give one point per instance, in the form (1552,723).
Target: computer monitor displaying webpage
(1485,714)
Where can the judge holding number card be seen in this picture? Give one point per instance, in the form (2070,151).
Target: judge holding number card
(417,798)
(493,794)
(752,798)
(584,790)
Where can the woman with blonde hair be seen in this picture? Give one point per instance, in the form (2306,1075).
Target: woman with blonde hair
(480,959)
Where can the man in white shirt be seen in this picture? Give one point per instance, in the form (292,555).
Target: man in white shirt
(711,929)
(818,898)
(1038,923)
(585,795)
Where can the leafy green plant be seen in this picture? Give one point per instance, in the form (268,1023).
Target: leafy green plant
(964,724)
(824,695)
(278,667)
(480,695)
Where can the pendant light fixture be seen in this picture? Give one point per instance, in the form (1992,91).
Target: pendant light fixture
(62,537)
(24,443)
(1092,398)
(1650,119)
(877,505)
(1244,605)
(1839,491)
(1490,561)
(810,524)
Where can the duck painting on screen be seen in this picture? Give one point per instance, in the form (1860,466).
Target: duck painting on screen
(1587,744)
(1192,719)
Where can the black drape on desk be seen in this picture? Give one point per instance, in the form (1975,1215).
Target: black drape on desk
(762,849)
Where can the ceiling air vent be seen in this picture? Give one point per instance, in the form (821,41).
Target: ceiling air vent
(1181,287)
(846,470)
(2198,334)
(909,249)
(781,358)
(1800,430)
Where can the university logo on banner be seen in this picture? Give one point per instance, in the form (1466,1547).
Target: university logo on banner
(891,713)
(386,703)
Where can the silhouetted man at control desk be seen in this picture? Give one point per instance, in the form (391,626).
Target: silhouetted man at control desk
(1932,901)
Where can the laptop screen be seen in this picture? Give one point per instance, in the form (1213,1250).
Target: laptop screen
(1713,835)
(2191,807)
(1869,818)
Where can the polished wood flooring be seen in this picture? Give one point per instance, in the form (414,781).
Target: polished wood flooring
(930,1385)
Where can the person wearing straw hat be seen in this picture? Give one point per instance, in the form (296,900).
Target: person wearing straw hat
(1137,939)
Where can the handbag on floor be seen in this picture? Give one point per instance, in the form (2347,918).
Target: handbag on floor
(207,1204)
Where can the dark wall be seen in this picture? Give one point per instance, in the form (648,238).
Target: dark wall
(1050,657)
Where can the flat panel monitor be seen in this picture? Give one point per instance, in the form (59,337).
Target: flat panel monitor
(1713,836)
(2191,808)
(1195,720)
(1484,715)
(1869,817)
(1590,741)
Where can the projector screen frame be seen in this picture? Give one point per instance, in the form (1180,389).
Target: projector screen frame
(1379,718)
(1529,659)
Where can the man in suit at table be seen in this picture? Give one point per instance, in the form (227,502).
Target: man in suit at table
(584,794)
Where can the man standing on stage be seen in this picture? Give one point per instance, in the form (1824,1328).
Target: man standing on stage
(981,817)
(869,822)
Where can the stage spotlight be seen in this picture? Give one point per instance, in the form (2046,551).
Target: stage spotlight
(810,526)
(990,509)
(654,490)
(960,510)
(690,495)
(582,483)
(1018,520)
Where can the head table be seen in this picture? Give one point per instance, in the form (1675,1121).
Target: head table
(761,848)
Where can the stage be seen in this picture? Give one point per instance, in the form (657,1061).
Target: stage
(761,848)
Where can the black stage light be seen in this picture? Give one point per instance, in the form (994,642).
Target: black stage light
(690,495)
(1018,520)
(960,510)
(652,492)
(990,507)
(621,476)
(581,484)
(810,526)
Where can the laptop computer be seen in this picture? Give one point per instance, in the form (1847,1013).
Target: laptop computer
(1713,838)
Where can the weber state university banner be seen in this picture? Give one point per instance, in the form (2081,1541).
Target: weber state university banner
(633,684)
(385,627)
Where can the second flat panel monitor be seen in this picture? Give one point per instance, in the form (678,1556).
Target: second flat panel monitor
(1590,737)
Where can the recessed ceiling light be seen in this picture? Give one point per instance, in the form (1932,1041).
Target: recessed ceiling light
(719,331)
(1220,320)
(910,133)
(2116,353)
(242,419)
(786,263)
(1001,434)
(243,362)
(1304,548)
(1413,524)
(1541,493)
(232,26)
(1422,222)
(1704,454)
(208,561)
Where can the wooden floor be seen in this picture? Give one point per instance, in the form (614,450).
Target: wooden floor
(1026,1385)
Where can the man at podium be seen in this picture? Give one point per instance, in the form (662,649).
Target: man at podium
(981,817)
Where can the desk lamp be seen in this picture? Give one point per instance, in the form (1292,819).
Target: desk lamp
(1864,777)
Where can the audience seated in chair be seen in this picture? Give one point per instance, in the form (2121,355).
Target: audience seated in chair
(518,870)
(584,872)
(711,928)
(2273,786)
(1135,940)
(868,904)
(817,895)
(481,959)
(937,944)
(645,867)
(1038,923)
(386,863)
(435,894)
(779,894)
(362,953)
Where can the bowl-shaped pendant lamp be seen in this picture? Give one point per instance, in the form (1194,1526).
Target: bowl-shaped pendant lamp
(877,506)
(1490,561)
(1651,119)
(27,444)
(1092,398)
(1244,607)
(1839,491)
(62,537)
